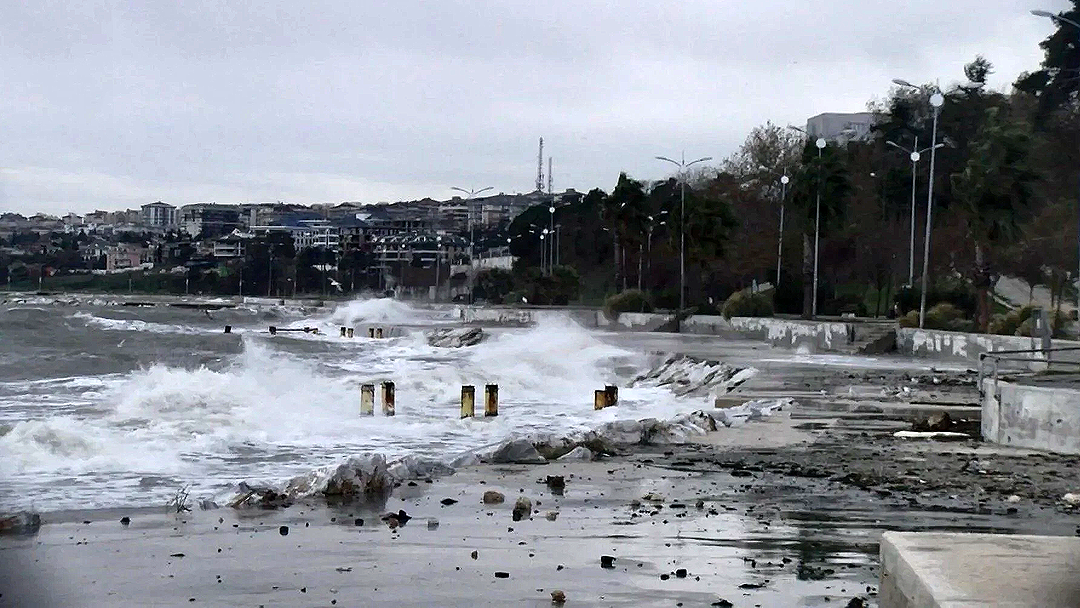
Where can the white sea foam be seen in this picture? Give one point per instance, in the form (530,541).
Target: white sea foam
(280,408)
(138,325)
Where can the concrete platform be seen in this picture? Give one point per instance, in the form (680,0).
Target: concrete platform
(941,570)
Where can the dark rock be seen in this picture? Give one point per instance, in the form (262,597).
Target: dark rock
(491,497)
(125,520)
(722,603)
(558,597)
(517,451)
(455,337)
(474,554)
(940,421)
(359,521)
(522,508)
(856,602)
(23,522)
(751,586)
(680,573)
(607,561)
(557,483)
(502,575)
(446,502)
(665,577)
(283,530)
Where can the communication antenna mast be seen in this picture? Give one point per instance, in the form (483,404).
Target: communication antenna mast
(549,175)
(540,167)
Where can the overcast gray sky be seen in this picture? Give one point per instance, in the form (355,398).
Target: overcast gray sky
(114,104)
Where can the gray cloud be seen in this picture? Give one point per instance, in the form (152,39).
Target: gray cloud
(113,104)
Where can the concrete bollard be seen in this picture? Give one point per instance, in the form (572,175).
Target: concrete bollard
(612,395)
(388,398)
(273,330)
(378,332)
(468,401)
(367,399)
(600,398)
(371,332)
(342,331)
(350,333)
(491,400)
(228,329)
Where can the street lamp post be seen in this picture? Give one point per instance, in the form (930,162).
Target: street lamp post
(469,194)
(915,154)
(683,166)
(438,251)
(1059,18)
(551,241)
(784,180)
(820,143)
(936,101)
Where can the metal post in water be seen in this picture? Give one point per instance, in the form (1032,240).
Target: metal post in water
(491,400)
(599,399)
(367,399)
(371,332)
(388,398)
(612,394)
(228,329)
(378,332)
(468,401)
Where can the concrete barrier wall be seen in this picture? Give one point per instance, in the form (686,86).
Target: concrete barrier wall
(709,325)
(634,321)
(586,317)
(811,335)
(957,346)
(1042,418)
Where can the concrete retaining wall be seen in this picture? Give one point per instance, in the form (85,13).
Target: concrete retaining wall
(634,321)
(808,335)
(1038,417)
(957,346)
(709,325)
(586,317)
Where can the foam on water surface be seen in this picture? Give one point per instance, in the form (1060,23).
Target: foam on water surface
(284,405)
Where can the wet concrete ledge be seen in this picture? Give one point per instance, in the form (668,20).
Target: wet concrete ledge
(945,570)
(1038,417)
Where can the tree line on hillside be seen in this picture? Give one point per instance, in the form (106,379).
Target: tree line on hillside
(1004,204)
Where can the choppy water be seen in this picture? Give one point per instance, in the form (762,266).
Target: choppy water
(104,405)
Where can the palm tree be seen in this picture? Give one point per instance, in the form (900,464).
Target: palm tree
(994,189)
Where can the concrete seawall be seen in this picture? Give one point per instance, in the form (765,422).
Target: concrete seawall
(518,316)
(945,570)
(808,335)
(1029,416)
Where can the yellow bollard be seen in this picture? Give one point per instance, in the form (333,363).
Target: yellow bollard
(378,332)
(599,399)
(388,398)
(367,399)
(350,333)
(468,401)
(612,394)
(371,332)
(491,400)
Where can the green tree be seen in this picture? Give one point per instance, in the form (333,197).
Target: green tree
(995,191)
(1057,82)
(823,175)
(624,212)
